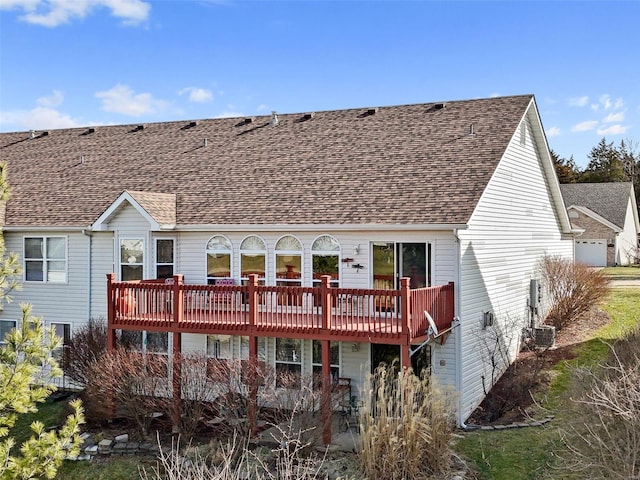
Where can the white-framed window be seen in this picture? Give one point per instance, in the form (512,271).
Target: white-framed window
(63,332)
(218,259)
(288,262)
(145,342)
(219,347)
(288,362)
(253,259)
(5,327)
(325,259)
(45,259)
(131,259)
(316,361)
(165,257)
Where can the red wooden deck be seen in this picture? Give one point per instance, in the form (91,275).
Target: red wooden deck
(336,314)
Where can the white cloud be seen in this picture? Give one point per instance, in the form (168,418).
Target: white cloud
(614,117)
(585,126)
(553,132)
(197,95)
(606,103)
(578,101)
(52,13)
(54,100)
(39,118)
(262,108)
(121,99)
(613,130)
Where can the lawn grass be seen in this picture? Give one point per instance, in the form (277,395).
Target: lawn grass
(628,272)
(533,453)
(107,468)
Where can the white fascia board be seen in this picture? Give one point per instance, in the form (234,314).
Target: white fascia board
(102,221)
(314,227)
(52,228)
(596,217)
(547,164)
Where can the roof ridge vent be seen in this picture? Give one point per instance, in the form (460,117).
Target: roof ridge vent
(274,118)
(306,116)
(137,128)
(190,125)
(245,121)
(369,112)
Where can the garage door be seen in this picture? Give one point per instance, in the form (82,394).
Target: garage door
(592,252)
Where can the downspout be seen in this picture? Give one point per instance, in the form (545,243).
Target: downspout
(458,330)
(89,234)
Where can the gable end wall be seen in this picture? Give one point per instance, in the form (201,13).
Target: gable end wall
(513,227)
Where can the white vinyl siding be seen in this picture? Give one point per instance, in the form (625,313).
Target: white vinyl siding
(56,302)
(513,226)
(627,240)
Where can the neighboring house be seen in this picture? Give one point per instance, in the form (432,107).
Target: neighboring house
(608,214)
(455,195)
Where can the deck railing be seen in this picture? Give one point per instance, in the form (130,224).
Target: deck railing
(240,309)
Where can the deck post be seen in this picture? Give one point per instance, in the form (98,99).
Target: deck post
(111,313)
(111,336)
(178,300)
(176,370)
(325,305)
(405,355)
(254,373)
(326,392)
(176,380)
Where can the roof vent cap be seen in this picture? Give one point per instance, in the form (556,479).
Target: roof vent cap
(274,118)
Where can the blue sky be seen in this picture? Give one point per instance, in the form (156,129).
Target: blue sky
(66,63)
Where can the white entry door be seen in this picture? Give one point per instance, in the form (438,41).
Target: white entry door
(592,252)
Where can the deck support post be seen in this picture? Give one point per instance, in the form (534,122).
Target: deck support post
(326,300)
(176,359)
(254,373)
(405,355)
(111,336)
(176,381)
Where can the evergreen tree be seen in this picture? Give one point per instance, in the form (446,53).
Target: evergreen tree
(566,169)
(605,164)
(26,370)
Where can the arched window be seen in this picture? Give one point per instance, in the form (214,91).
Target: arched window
(289,262)
(218,259)
(253,259)
(325,258)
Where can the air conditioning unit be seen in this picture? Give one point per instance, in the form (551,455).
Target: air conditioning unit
(544,336)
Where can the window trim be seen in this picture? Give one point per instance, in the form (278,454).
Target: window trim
(327,253)
(211,280)
(299,362)
(300,253)
(45,259)
(144,255)
(241,252)
(161,264)
(15,325)
(59,353)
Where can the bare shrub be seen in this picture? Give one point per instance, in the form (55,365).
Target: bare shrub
(406,425)
(137,384)
(607,445)
(88,343)
(507,384)
(234,383)
(234,460)
(573,289)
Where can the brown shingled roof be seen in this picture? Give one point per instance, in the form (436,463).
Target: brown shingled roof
(412,164)
(609,200)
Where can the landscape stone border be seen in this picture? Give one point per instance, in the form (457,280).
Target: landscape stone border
(119,445)
(509,426)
